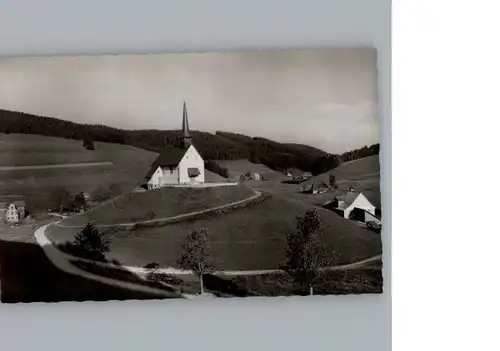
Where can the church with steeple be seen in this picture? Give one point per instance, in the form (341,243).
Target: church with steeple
(179,165)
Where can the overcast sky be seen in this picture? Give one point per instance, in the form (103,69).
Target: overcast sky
(324,98)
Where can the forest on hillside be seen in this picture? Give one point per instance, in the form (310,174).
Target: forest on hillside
(218,146)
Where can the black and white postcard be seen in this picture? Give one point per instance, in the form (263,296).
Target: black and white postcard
(190,175)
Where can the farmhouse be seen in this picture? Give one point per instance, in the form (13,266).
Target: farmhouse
(353,206)
(314,188)
(256,176)
(306,175)
(294,173)
(12,209)
(177,165)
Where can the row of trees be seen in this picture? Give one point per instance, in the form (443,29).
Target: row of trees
(66,202)
(328,162)
(306,255)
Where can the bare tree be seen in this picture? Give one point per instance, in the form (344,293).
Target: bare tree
(196,255)
(306,257)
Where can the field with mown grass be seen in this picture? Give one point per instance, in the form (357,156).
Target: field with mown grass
(160,203)
(248,238)
(128,167)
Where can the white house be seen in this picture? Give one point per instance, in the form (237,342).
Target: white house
(352,205)
(177,165)
(12,210)
(256,176)
(306,175)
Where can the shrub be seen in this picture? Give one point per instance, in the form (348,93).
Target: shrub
(90,243)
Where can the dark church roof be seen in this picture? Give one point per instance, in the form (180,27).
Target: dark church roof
(169,157)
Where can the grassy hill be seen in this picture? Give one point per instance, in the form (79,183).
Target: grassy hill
(356,169)
(26,149)
(160,203)
(129,164)
(40,186)
(362,174)
(249,238)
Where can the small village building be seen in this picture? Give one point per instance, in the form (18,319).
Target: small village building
(306,175)
(87,197)
(294,173)
(177,165)
(314,188)
(256,176)
(13,209)
(355,206)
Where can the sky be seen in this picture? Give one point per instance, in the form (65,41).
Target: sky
(324,98)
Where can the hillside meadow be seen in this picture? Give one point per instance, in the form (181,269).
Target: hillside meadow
(160,203)
(363,174)
(248,238)
(125,168)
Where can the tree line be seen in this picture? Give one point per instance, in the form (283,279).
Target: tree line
(218,146)
(328,162)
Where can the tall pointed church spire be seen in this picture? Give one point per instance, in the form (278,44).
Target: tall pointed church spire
(186,138)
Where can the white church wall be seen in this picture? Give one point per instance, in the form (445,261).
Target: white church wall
(154,181)
(170,175)
(191,159)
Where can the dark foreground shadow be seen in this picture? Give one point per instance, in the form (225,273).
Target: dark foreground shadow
(224,286)
(26,275)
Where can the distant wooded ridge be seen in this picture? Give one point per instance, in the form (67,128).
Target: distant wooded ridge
(218,146)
